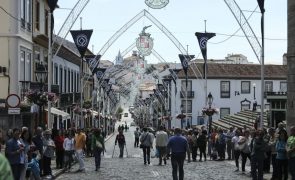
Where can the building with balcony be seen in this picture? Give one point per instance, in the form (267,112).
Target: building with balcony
(234,88)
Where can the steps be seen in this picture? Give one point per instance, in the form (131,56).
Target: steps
(243,118)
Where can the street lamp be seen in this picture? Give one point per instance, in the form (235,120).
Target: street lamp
(210,101)
(41,76)
(182,116)
(254,86)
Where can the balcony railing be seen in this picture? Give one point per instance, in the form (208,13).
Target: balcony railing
(190,94)
(67,99)
(36,86)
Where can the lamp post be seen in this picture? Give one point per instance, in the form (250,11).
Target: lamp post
(254,86)
(181,119)
(210,101)
(41,75)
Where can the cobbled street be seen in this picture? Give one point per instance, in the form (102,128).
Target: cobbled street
(132,167)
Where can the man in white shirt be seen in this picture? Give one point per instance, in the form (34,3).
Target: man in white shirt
(161,144)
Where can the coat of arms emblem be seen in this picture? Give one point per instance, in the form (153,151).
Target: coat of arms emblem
(144,42)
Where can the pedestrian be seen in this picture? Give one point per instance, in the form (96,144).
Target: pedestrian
(229,146)
(195,145)
(15,154)
(97,146)
(257,147)
(146,143)
(126,127)
(237,151)
(80,142)
(69,149)
(221,145)
(291,152)
(5,169)
(161,144)
(26,141)
(49,148)
(272,144)
(177,145)
(89,136)
(244,147)
(59,150)
(136,135)
(120,139)
(38,141)
(282,159)
(202,141)
(266,163)
(33,166)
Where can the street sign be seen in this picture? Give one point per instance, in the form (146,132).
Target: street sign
(13,111)
(12,100)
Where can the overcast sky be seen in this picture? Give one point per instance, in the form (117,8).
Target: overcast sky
(182,18)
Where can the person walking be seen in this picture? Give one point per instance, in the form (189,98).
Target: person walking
(136,135)
(177,145)
(237,151)
(146,140)
(195,145)
(120,139)
(272,144)
(48,146)
(97,146)
(5,169)
(257,147)
(59,150)
(161,144)
(69,149)
(202,141)
(291,152)
(38,141)
(282,159)
(229,145)
(244,146)
(14,152)
(80,142)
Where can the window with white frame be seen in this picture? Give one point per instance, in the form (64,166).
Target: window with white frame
(225,89)
(268,86)
(188,105)
(224,112)
(283,86)
(26,14)
(189,85)
(25,65)
(245,87)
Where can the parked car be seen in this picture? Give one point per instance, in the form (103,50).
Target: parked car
(132,124)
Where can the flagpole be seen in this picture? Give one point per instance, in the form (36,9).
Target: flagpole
(262,70)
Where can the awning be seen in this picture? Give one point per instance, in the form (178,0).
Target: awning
(58,112)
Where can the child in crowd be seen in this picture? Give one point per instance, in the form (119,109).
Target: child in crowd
(33,166)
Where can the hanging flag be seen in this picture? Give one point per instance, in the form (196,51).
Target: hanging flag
(203,38)
(261,5)
(81,39)
(92,61)
(184,59)
(100,73)
(173,75)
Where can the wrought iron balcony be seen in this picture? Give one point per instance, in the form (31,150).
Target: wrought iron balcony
(190,94)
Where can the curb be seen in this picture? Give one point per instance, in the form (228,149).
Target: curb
(59,172)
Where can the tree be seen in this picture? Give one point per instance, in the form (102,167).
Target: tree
(291,64)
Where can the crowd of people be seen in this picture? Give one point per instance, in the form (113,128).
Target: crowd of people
(266,150)
(30,156)
(263,148)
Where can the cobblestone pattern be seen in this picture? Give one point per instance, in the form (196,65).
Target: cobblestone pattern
(132,167)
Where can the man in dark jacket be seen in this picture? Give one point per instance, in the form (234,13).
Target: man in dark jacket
(257,147)
(13,151)
(177,145)
(120,139)
(38,141)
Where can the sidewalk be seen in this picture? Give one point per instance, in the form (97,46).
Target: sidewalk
(57,172)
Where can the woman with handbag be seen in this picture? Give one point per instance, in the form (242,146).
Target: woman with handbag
(97,147)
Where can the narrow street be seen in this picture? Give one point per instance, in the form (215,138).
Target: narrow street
(132,167)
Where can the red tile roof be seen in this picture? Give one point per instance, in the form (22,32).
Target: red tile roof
(236,71)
